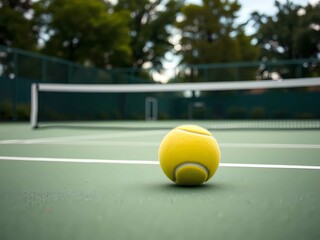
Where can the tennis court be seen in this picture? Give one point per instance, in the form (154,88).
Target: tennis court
(101,180)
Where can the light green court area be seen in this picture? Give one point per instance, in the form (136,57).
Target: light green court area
(64,200)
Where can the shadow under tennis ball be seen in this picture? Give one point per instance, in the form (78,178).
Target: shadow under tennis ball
(207,187)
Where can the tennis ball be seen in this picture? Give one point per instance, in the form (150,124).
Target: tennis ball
(189,155)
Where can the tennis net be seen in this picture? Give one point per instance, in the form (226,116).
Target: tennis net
(290,103)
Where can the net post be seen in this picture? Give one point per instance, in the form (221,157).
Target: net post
(155,109)
(34,105)
(151,108)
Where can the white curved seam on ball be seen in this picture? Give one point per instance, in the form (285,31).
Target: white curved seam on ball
(190,132)
(188,164)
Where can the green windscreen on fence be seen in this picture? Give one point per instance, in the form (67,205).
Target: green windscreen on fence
(19,69)
(268,104)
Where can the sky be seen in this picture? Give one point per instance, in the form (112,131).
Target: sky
(262,6)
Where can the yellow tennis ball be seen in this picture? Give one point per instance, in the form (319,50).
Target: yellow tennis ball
(189,155)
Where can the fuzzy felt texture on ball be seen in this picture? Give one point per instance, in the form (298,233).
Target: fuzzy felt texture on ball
(189,155)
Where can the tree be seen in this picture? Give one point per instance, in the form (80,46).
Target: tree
(84,31)
(210,35)
(16,27)
(294,32)
(150,26)
(307,42)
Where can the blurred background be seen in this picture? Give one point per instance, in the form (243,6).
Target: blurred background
(159,42)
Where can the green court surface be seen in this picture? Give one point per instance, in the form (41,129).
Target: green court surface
(103,181)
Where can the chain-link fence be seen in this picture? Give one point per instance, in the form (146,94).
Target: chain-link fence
(19,69)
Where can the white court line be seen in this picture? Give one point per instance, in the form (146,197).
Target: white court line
(275,166)
(146,162)
(270,145)
(222,145)
(81,138)
(77,160)
(112,143)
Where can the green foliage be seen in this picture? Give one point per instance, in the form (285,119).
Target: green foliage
(294,32)
(258,113)
(210,35)
(23,111)
(236,112)
(16,29)
(6,110)
(84,31)
(150,28)
(308,36)
(248,52)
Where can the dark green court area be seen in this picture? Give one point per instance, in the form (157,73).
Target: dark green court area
(45,196)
